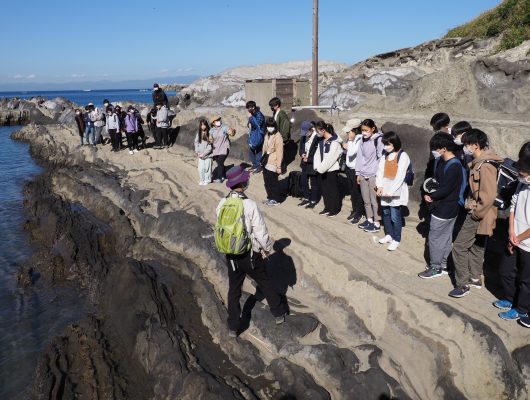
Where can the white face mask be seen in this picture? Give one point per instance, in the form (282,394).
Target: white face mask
(270,129)
(458,141)
(367,135)
(320,134)
(467,151)
(389,149)
(524,181)
(156,88)
(436,154)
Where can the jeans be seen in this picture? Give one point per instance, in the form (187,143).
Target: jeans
(99,134)
(220,160)
(90,128)
(205,170)
(132,140)
(392,222)
(115,139)
(255,156)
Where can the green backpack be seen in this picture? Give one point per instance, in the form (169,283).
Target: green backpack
(231,235)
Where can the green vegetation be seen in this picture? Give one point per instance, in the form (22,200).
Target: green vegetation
(511,18)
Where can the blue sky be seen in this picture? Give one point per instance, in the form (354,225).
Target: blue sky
(65,41)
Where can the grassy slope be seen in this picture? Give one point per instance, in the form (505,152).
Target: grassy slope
(511,18)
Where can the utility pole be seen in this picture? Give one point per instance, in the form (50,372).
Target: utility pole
(314,74)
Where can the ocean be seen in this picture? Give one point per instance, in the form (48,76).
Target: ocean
(82,97)
(29,317)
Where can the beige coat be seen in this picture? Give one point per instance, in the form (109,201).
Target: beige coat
(273,146)
(482,192)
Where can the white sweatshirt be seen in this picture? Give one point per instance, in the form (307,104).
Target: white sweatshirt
(351,152)
(521,208)
(396,188)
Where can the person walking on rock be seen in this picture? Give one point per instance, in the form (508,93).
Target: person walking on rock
(80,122)
(469,246)
(203,149)
(99,125)
(256,246)
(256,125)
(90,118)
(272,162)
(221,147)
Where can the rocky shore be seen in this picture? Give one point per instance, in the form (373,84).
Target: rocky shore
(136,233)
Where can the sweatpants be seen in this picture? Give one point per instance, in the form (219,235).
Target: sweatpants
(515,279)
(468,252)
(329,183)
(357,205)
(440,241)
(255,267)
(369,195)
(205,169)
(115,139)
(220,160)
(132,140)
(392,222)
(272,186)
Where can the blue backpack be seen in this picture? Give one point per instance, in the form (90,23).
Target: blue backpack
(463,186)
(409,175)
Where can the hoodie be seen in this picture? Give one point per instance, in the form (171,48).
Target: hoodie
(368,155)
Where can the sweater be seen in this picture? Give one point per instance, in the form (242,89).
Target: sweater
(203,147)
(396,189)
(327,155)
(368,155)
(445,198)
(254,223)
(131,123)
(521,209)
(273,146)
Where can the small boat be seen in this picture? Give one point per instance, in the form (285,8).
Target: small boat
(87,90)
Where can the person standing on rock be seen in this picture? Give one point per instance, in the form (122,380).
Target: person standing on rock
(80,121)
(272,162)
(99,125)
(91,117)
(113,127)
(353,130)
(162,124)
(131,130)
(221,147)
(253,259)
(469,246)
(309,180)
(159,96)
(256,125)
(203,149)
(284,127)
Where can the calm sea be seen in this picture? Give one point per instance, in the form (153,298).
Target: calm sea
(29,317)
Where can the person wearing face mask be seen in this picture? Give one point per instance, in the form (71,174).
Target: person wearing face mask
(469,246)
(444,204)
(162,125)
(353,130)
(112,123)
(203,149)
(131,130)
(440,123)
(284,127)
(309,179)
(392,189)
(272,162)
(368,155)
(104,132)
(221,147)
(80,122)
(457,131)
(256,125)
(515,267)
(159,96)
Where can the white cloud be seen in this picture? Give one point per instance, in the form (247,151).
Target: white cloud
(31,76)
(18,76)
(78,75)
(163,70)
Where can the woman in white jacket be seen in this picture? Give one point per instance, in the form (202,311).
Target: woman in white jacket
(326,164)
(392,189)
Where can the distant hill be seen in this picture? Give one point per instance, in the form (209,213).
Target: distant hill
(511,19)
(97,85)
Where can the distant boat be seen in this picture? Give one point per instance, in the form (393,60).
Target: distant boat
(87,90)
(143,90)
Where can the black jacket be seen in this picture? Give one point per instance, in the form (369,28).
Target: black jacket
(159,97)
(308,166)
(445,198)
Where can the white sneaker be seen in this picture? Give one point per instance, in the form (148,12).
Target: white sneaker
(136,151)
(386,239)
(393,245)
(201,183)
(131,152)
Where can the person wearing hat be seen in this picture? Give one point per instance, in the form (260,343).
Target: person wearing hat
(353,129)
(221,147)
(159,96)
(253,262)
(309,179)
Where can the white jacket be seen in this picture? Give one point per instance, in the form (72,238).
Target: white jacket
(396,188)
(351,153)
(113,122)
(162,118)
(521,208)
(332,149)
(254,223)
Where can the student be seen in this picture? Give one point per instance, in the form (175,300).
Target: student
(368,155)
(326,163)
(515,268)
(353,129)
(284,125)
(457,131)
(203,149)
(159,96)
(253,261)
(80,121)
(468,248)
(113,128)
(309,179)
(131,130)
(90,118)
(141,133)
(272,162)
(162,124)
(121,130)
(440,122)
(256,125)
(99,125)
(392,189)
(221,147)
(449,175)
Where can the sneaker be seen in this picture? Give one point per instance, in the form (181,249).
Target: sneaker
(372,228)
(272,203)
(459,292)
(430,273)
(232,334)
(393,246)
(356,219)
(201,182)
(351,216)
(364,224)
(135,150)
(386,239)
(217,180)
(303,203)
(476,283)
(331,215)
(280,320)
(445,271)
(503,304)
(311,204)
(323,212)
(512,315)
(257,170)
(525,321)
(264,202)
(131,152)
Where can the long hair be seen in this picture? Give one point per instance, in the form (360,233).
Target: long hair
(203,135)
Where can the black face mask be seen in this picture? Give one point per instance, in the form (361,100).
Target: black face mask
(272,109)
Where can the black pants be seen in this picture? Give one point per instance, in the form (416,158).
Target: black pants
(357,203)
(255,267)
(161,137)
(310,185)
(272,187)
(330,191)
(515,279)
(115,139)
(132,140)
(220,160)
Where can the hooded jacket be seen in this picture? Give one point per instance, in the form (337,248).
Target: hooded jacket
(327,155)
(131,123)
(160,97)
(257,129)
(483,191)
(162,118)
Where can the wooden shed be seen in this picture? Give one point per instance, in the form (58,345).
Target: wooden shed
(291,91)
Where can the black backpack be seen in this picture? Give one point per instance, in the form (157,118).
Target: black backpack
(295,189)
(507,180)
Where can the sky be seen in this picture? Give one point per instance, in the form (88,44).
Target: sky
(69,41)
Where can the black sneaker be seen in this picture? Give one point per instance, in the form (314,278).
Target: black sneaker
(280,320)
(459,292)
(355,220)
(311,204)
(372,228)
(364,224)
(303,203)
(430,273)
(331,215)
(351,216)
(323,212)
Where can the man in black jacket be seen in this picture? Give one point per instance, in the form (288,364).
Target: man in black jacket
(159,96)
